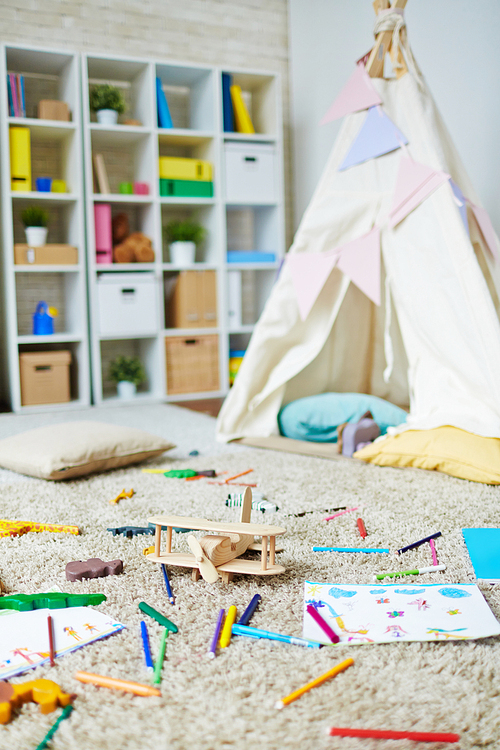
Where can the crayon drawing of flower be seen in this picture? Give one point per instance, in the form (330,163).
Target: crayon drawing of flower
(395,613)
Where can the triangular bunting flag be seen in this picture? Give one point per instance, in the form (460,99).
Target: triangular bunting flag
(358,93)
(414,183)
(360,261)
(461,202)
(486,227)
(309,274)
(378,136)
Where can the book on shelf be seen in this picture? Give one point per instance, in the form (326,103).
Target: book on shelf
(15,92)
(234,299)
(242,118)
(20,95)
(101,174)
(250,256)
(164,117)
(227,104)
(13,89)
(9,94)
(483,546)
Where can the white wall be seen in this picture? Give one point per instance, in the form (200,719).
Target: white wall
(457,46)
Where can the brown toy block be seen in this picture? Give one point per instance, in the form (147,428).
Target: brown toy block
(92,568)
(46,693)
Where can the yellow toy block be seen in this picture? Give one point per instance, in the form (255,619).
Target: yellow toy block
(20,159)
(179,168)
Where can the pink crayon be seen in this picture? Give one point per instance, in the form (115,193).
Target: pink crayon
(349,510)
(323,625)
(433,552)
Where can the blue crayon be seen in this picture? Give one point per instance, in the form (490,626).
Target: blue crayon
(147,650)
(238,629)
(247,614)
(348,549)
(167,584)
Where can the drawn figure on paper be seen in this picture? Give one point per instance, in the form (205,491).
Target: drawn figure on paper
(70,631)
(382,600)
(29,654)
(454,593)
(318,603)
(337,593)
(396,613)
(409,592)
(378,591)
(361,631)
(453,612)
(421,604)
(313,589)
(360,639)
(396,631)
(439,632)
(90,628)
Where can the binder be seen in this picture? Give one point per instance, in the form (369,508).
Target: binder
(164,117)
(227,104)
(241,117)
(20,158)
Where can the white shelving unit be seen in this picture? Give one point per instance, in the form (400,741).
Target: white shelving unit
(56,151)
(130,152)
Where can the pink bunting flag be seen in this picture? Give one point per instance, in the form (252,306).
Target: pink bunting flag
(486,227)
(309,274)
(414,183)
(358,93)
(360,261)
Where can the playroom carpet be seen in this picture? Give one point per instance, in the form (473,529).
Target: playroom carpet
(229,702)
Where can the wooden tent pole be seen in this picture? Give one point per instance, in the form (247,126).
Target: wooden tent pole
(375,64)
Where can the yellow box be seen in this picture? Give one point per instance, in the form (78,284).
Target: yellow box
(20,159)
(178,168)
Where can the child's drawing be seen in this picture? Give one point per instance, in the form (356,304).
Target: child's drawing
(421,604)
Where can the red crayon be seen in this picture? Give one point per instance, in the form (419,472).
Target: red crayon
(385,734)
(361,527)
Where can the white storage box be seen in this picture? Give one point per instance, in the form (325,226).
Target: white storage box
(127,304)
(250,170)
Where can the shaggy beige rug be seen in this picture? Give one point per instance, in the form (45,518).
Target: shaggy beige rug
(229,702)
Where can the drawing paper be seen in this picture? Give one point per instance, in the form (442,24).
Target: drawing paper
(398,612)
(24,636)
(483,546)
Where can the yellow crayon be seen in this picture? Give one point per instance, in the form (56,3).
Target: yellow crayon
(225,636)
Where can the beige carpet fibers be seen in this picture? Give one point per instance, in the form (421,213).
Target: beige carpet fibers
(229,702)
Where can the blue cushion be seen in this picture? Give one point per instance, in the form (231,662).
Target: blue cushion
(317,418)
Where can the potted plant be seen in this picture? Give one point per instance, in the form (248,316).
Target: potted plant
(108,102)
(127,373)
(183,237)
(35,220)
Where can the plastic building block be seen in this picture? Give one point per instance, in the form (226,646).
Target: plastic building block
(130,531)
(17,528)
(122,496)
(94,567)
(160,619)
(46,693)
(51,600)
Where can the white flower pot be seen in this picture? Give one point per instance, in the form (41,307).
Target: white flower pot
(182,253)
(36,236)
(126,390)
(107,116)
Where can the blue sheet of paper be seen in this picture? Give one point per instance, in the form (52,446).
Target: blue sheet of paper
(378,136)
(483,546)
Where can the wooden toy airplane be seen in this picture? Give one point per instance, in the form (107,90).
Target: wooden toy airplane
(219,554)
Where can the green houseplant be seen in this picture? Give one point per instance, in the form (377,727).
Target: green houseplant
(35,220)
(183,237)
(127,373)
(108,102)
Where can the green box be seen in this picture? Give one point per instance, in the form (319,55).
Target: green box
(186,188)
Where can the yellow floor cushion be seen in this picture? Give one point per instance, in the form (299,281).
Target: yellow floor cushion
(448,449)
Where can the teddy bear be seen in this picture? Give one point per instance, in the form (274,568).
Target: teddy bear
(136,248)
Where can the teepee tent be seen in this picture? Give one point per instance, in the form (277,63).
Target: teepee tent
(392,284)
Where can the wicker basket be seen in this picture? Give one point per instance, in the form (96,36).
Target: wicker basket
(192,364)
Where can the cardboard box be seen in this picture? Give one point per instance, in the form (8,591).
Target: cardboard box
(52,109)
(45,255)
(193,303)
(44,377)
(192,364)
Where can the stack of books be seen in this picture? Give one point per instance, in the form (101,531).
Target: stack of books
(186,178)
(15,90)
(235,113)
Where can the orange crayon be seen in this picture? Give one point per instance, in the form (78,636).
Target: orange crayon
(115,684)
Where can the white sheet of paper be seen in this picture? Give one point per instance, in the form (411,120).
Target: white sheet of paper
(398,612)
(24,636)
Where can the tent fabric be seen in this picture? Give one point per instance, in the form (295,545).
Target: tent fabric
(444,295)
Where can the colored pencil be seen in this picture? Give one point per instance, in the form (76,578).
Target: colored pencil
(314,683)
(433,552)
(361,527)
(417,544)
(247,614)
(386,734)
(111,682)
(161,657)
(225,636)
(349,549)
(51,640)
(348,510)
(236,476)
(332,635)
(258,633)
(212,652)
(65,713)
(415,572)
(147,649)
(171,598)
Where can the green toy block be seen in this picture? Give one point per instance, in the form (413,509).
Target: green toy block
(160,619)
(186,188)
(51,600)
